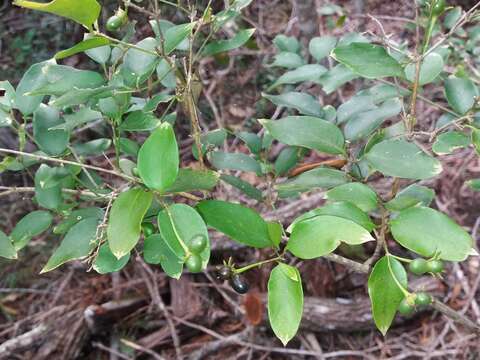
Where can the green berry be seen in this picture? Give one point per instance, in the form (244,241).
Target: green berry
(418,266)
(405,308)
(238,283)
(114,23)
(148,229)
(423,298)
(438,7)
(194,263)
(135,171)
(435,266)
(198,244)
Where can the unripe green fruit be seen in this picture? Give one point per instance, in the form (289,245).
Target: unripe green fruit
(148,229)
(418,266)
(194,263)
(135,171)
(405,308)
(423,298)
(114,23)
(239,284)
(198,244)
(435,266)
(438,7)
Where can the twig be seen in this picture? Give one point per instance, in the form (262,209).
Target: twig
(7,190)
(455,316)
(142,349)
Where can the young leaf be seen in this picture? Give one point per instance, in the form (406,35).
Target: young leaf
(310,132)
(450,141)
(30,225)
(427,232)
(410,196)
(125,220)
(234,161)
(367,60)
(320,235)
(78,243)
(236,221)
(7,250)
(384,292)
(158,159)
(403,159)
(357,193)
(305,103)
(83,46)
(84,12)
(460,93)
(320,47)
(430,68)
(106,262)
(285,301)
(226,45)
(156,251)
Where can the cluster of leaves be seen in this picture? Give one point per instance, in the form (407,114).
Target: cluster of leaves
(354,132)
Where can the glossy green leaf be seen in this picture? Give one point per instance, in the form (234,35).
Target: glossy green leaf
(85,12)
(139,63)
(285,301)
(362,125)
(460,93)
(175,35)
(475,138)
(7,250)
(80,117)
(81,96)
(99,54)
(275,230)
(253,141)
(321,177)
(245,187)
(191,180)
(234,161)
(426,231)
(321,235)
(358,194)
(52,142)
(342,209)
(403,159)
(166,74)
(384,292)
(320,47)
(448,142)
(236,221)
(80,240)
(336,77)
(287,159)
(87,44)
(302,102)
(129,147)
(411,196)
(139,121)
(310,132)
(158,158)
(356,105)
(32,224)
(183,221)
(156,251)
(94,147)
(286,43)
(235,42)
(106,262)
(75,216)
(289,60)
(309,72)
(367,60)
(51,197)
(430,68)
(125,220)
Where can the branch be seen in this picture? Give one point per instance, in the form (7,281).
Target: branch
(7,190)
(455,316)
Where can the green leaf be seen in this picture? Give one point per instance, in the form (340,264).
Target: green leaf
(310,132)
(158,158)
(175,35)
(7,100)
(125,220)
(336,77)
(106,262)
(474,184)
(152,104)
(32,224)
(166,74)
(450,141)
(156,251)
(275,230)
(253,141)
(192,180)
(286,43)
(342,209)
(321,235)
(129,147)
(243,186)
(286,160)
(426,231)
(362,125)
(289,60)
(80,240)
(85,12)
(320,47)
(139,121)
(240,223)
(411,196)
(321,177)
(183,221)
(357,193)
(94,147)
(460,93)
(52,142)
(234,161)
(7,250)
(358,104)
(80,96)
(51,197)
(475,138)
(99,54)
(82,116)
(139,63)
(219,46)
(302,102)
(367,60)
(430,68)
(403,159)
(75,216)
(309,72)
(384,292)
(87,44)
(285,301)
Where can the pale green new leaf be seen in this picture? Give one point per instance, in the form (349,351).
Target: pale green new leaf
(357,193)
(226,45)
